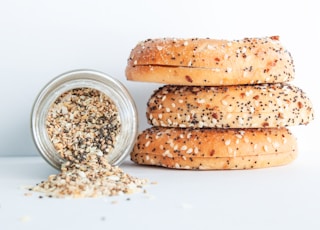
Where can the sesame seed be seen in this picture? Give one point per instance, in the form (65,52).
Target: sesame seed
(82,174)
(241,121)
(276,145)
(201,100)
(224,102)
(184,147)
(210,47)
(229,69)
(167,154)
(196,150)
(248,93)
(187,117)
(190,150)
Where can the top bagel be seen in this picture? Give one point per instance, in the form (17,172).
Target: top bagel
(210,62)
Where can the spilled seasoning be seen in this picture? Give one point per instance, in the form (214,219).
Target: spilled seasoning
(94,177)
(83,125)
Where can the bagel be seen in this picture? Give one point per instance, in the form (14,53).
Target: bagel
(210,62)
(214,148)
(239,106)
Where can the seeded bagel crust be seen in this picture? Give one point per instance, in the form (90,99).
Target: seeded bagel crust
(210,62)
(242,106)
(207,149)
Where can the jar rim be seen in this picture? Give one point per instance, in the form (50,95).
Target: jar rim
(85,78)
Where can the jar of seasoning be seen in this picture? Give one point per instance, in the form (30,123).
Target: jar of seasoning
(84,112)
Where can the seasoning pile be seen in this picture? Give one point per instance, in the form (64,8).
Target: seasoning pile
(83,125)
(93,177)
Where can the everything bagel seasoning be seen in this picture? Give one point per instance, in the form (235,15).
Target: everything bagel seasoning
(94,177)
(84,124)
(83,121)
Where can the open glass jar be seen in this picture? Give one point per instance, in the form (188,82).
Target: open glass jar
(85,79)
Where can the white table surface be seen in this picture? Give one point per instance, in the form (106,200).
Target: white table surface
(286,197)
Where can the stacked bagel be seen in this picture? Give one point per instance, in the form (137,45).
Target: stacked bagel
(223,104)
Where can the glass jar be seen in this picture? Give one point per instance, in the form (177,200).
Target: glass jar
(112,88)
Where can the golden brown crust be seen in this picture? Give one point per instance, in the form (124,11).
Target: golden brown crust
(214,148)
(242,106)
(210,62)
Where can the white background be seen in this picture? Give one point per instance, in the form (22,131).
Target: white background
(42,39)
